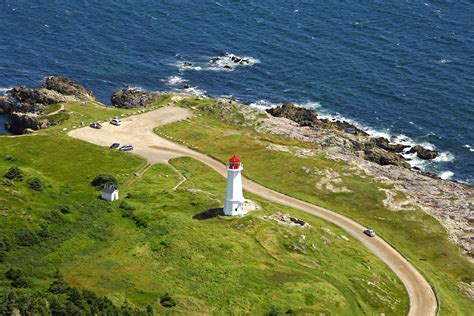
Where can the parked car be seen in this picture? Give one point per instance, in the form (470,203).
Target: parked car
(126,147)
(369,232)
(96,125)
(114,146)
(116,122)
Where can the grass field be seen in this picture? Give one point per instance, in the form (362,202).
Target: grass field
(151,243)
(335,185)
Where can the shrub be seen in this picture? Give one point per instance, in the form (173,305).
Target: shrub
(102,179)
(18,278)
(58,286)
(65,209)
(140,222)
(10,158)
(167,301)
(124,205)
(14,173)
(36,184)
(26,238)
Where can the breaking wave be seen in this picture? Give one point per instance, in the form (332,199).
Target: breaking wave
(174,80)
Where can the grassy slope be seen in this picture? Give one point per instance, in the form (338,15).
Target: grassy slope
(417,235)
(250,260)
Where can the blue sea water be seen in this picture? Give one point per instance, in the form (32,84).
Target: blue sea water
(403,68)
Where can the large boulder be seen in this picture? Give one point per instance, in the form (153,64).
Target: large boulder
(27,100)
(302,116)
(384,143)
(133,98)
(5,105)
(19,122)
(308,117)
(24,105)
(67,87)
(383,157)
(423,153)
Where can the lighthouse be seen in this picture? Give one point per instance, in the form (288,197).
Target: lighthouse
(234,198)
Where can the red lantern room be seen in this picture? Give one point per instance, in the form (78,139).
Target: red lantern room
(234,162)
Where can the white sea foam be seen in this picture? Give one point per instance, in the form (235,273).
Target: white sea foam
(469,147)
(445,61)
(263,104)
(444,156)
(225,62)
(185,65)
(195,91)
(230,61)
(3,91)
(445,175)
(174,80)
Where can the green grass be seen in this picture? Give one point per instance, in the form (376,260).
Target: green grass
(220,265)
(415,234)
(51,108)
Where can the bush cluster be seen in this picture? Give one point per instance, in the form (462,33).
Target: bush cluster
(14,173)
(102,179)
(36,184)
(167,301)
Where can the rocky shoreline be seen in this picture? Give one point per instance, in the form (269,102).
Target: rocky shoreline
(450,202)
(25,106)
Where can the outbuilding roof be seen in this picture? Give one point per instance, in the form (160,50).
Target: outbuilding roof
(109,188)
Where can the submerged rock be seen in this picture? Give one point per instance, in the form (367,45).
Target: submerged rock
(227,61)
(133,98)
(384,143)
(423,153)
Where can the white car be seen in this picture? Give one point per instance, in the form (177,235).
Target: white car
(116,122)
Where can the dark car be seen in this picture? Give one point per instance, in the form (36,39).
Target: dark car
(96,125)
(114,146)
(126,147)
(369,232)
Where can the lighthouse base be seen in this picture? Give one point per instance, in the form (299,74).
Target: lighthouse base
(234,208)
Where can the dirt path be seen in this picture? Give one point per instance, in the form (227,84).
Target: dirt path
(138,130)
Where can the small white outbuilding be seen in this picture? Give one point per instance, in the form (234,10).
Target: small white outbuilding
(110,192)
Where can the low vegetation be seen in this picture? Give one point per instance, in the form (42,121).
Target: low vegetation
(153,251)
(277,163)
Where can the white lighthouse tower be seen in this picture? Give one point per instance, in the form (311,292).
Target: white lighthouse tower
(234,198)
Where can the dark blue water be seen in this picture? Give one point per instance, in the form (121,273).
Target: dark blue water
(401,68)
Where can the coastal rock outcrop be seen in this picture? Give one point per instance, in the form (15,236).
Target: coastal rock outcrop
(19,122)
(133,98)
(308,117)
(351,137)
(423,153)
(65,86)
(24,106)
(302,116)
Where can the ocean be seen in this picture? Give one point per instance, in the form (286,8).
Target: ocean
(403,69)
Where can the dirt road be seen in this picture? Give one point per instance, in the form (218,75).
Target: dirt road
(138,130)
